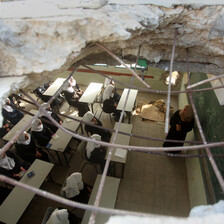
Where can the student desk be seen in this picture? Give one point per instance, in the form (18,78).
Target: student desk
(108,198)
(130,103)
(92,91)
(59,144)
(17,127)
(54,87)
(119,156)
(17,201)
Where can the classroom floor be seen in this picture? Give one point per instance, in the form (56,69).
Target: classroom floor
(151,184)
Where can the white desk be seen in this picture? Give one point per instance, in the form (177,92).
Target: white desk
(54,87)
(107,200)
(130,103)
(122,140)
(17,127)
(59,144)
(92,91)
(17,201)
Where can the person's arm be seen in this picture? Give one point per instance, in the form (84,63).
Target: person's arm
(187,126)
(56,117)
(98,122)
(174,119)
(8,173)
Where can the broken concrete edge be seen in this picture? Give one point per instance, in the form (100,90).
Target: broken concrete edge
(169,3)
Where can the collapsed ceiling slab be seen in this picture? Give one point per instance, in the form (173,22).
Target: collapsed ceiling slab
(39,38)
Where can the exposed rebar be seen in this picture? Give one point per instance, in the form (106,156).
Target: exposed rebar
(169,86)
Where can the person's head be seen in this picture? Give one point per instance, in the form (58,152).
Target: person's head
(89,117)
(92,145)
(7,101)
(187,113)
(108,92)
(23,138)
(36,125)
(58,216)
(72,81)
(46,106)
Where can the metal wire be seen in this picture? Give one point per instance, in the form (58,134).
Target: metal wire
(103,178)
(169,86)
(151,150)
(210,156)
(106,129)
(150,90)
(68,202)
(205,81)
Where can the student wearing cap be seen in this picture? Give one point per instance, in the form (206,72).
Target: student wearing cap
(73,95)
(28,150)
(90,118)
(12,166)
(40,132)
(110,101)
(11,114)
(95,153)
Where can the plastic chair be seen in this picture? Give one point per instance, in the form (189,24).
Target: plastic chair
(47,215)
(82,151)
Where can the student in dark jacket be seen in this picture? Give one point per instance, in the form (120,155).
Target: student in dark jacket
(11,114)
(89,117)
(11,165)
(41,133)
(110,101)
(5,129)
(47,122)
(28,150)
(72,96)
(181,122)
(96,153)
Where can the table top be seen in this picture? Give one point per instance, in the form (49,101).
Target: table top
(18,200)
(17,127)
(63,139)
(54,87)
(131,100)
(121,139)
(91,92)
(108,198)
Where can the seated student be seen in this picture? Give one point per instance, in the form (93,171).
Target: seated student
(75,189)
(11,114)
(4,130)
(89,117)
(41,133)
(110,101)
(12,166)
(49,124)
(73,96)
(28,150)
(75,86)
(39,91)
(63,216)
(96,153)
(107,82)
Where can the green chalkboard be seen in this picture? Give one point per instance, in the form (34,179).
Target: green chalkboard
(211,115)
